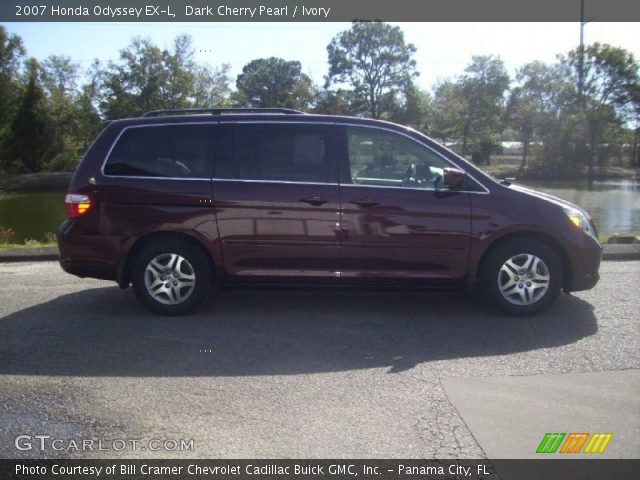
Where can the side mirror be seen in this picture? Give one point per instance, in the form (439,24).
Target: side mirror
(454,178)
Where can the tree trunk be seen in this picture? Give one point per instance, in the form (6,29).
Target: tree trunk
(465,137)
(525,153)
(634,161)
(525,138)
(373,104)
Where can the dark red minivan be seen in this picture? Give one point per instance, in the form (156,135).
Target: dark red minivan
(175,200)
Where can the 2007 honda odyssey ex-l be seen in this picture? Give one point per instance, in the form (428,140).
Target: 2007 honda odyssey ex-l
(176,200)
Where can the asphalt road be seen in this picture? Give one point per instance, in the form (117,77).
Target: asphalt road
(321,374)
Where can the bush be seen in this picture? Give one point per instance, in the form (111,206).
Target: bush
(64,161)
(482,150)
(6,234)
(562,153)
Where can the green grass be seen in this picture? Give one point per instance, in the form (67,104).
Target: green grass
(49,241)
(6,246)
(28,244)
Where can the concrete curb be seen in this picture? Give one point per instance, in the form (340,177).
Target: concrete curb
(611,252)
(28,254)
(621,252)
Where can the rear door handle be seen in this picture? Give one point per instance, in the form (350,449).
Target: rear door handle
(315,200)
(365,202)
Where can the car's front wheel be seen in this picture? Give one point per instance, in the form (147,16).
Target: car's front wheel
(171,277)
(522,276)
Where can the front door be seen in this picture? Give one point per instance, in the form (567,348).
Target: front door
(277,199)
(397,218)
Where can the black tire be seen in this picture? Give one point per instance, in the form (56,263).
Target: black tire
(197,265)
(518,249)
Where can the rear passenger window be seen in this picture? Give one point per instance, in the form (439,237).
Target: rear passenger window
(276,152)
(169,151)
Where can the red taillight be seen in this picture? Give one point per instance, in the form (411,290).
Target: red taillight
(77,204)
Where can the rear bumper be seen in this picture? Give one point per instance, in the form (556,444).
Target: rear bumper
(86,255)
(87,268)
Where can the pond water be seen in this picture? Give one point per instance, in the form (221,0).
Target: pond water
(613,204)
(31,215)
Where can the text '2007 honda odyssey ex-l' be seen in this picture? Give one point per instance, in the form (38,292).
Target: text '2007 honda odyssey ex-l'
(175,200)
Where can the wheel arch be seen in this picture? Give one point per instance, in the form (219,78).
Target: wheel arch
(529,235)
(123,274)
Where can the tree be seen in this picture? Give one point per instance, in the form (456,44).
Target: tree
(537,103)
(634,158)
(275,82)
(31,141)
(88,102)
(483,87)
(11,53)
(87,116)
(148,78)
(411,107)
(522,113)
(337,102)
(180,73)
(448,110)
(373,59)
(212,87)
(59,76)
(611,76)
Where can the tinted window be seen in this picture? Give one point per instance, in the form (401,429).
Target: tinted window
(184,151)
(279,152)
(382,158)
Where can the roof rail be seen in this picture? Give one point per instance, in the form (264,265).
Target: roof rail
(219,111)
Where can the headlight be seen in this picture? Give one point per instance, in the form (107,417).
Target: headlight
(580,220)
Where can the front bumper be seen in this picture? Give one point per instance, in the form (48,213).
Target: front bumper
(585,263)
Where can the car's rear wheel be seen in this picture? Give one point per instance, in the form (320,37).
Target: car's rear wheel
(522,276)
(171,277)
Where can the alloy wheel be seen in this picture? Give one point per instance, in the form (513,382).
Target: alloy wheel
(169,278)
(523,279)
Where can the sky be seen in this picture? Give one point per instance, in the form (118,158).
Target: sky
(443,49)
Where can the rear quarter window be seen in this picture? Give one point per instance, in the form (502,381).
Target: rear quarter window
(166,151)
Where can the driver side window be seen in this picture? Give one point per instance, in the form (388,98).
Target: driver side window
(386,159)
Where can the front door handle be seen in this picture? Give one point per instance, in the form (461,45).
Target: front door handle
(365,202)
(315,200)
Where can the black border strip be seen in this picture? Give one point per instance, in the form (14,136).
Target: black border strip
(584,468)
(338,10)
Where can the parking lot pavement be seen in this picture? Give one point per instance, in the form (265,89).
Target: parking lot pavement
(321,374)
(505,413)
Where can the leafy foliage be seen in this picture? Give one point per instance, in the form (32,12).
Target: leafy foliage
(11,54)
(50,112)
(374,60)
(148,78)
(274,82)
(448,110)
(211,86)
(32,138)
(483,87)
(536,104)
